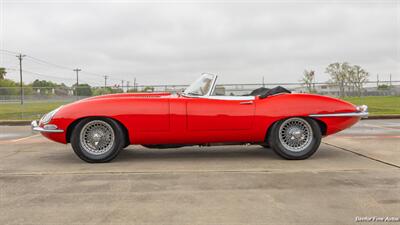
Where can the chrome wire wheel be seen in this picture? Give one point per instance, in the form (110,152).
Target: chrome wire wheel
(97,137)
(295,134)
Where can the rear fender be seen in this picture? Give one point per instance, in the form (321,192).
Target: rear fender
(282,106)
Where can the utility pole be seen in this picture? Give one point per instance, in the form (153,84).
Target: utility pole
(20,56)
(77,80)
(105,81)
(390,80)
(122,85)
(127,86)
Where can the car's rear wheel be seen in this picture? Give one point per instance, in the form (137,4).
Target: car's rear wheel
(295,138)
(97,140)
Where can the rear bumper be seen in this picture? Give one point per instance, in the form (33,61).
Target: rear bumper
(362,112)
(354,114)
(48,128)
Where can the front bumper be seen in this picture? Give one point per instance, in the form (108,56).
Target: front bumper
(48,128)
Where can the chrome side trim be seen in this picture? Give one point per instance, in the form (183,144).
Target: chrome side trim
(353,114)
(227,97)
(35,127)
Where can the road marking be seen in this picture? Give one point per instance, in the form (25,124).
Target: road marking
(369,136)
(382,127)
(256,171)
(362,155)
(24,138)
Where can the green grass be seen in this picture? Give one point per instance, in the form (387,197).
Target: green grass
(27,111)
(378,105)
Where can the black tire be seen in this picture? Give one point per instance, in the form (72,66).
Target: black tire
(265,145)
(113,147)
(126,144)
(281,148)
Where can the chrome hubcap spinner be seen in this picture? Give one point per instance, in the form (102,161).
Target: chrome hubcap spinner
(295,134)
(97,137)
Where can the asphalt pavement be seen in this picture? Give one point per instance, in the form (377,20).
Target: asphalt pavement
(354,174)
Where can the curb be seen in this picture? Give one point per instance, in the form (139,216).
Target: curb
(15,122)
(382,117)
(28,122)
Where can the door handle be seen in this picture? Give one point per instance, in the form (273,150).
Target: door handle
(246,103)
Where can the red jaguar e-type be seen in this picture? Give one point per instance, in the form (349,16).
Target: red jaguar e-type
(291,124)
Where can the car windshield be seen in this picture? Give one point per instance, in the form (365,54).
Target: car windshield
(201,86)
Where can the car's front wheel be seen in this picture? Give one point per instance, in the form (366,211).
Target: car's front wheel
(97,140)
(295,138)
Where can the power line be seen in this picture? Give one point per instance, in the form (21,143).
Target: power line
(45,75)
(40,74)
(62,67)
(42,61)
(54,77)
(10,52)
(49,63)
(93,74)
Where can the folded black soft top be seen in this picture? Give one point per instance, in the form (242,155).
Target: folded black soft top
(265,92)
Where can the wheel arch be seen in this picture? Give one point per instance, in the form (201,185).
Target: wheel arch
(71,127)
(323,127)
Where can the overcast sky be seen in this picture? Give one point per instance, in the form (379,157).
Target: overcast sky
(174,42)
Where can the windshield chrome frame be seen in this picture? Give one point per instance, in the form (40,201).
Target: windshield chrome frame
(214,81)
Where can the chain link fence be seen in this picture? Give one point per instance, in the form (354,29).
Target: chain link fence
(66,94)
(39,100)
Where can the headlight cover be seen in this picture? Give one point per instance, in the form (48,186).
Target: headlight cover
(47,117)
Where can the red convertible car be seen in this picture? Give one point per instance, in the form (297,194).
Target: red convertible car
(98,128)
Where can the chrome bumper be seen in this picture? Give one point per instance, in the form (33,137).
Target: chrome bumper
(361,111)
(48,128)
(354,114)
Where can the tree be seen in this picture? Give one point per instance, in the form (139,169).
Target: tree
(83,90)
(358,78)
(62,90)
(309,80)
(8,87)
(2,73)
(339,75)
(148,89)
(132,90)
(383,87)
(43,87)
(106,90)
(346,76)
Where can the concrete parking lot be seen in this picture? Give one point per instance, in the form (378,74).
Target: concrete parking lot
(355,173)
